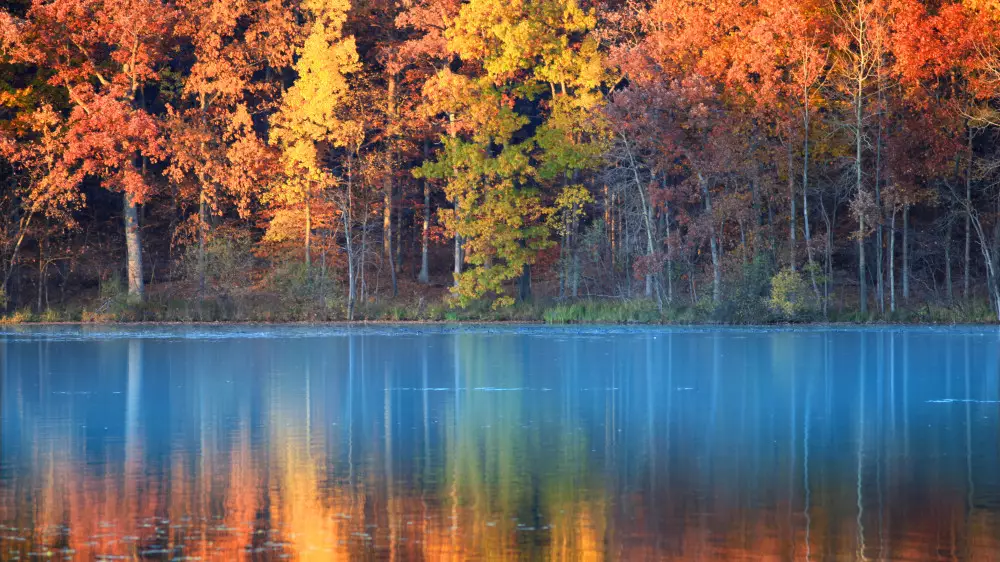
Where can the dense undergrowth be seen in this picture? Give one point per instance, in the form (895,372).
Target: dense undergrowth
(759,294)
(588,311)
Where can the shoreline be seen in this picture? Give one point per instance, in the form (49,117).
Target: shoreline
(358,323)
(638,312)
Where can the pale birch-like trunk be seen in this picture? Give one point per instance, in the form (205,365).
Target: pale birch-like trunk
(133,246)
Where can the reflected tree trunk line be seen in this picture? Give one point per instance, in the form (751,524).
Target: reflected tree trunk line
(861,447)
(133,403)
(970,487)
(806,483)
(387,421)
(351,376)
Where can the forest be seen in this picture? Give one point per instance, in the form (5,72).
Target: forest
(624,160)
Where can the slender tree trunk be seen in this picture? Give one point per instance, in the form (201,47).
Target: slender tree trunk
(949,287)
(744,251)
(892,261)
(524,291)
(458,253)
(387,206)
(828,260)
(647,214)
(308,233)
(424,276)
(713,243)
(202,235)
(906,253)
(202,203)
(575,285)
(41,274)
(968,221)
(350,266)
(792,212)
(324,244)
(22,231)
(458,237)
(692,288)
(398,246)
(563,261)
(387,231)
(362,256)
(858,140)
(806,118)
(988,258)
(348,240)
(670,259)
(879,227)
(133,246)
(649,224)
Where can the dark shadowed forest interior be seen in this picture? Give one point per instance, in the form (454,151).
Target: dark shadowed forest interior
(565,160)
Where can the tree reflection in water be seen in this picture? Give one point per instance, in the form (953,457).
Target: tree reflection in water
(636,445)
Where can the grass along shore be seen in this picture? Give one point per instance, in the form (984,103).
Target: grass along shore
(268,309)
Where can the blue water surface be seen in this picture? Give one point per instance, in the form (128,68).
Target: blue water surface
(499,442)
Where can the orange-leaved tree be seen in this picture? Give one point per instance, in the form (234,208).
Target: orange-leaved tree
(101,54)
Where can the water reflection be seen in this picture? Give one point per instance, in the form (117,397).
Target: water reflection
(636,445)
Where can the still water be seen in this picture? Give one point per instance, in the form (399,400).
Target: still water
(329,443)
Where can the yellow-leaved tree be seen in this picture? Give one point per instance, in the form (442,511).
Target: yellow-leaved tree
(311,130)
(526,67)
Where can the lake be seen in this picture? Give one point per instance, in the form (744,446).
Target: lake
(479,442)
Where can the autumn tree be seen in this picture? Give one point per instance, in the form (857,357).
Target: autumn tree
(309,126)
(39,186)
(525,69)
(103,53)
(217,158)
(860,42)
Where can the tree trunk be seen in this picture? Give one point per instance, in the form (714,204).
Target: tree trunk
(133,246)
(458,237)
(308,233)
(713,243)
(458,254)
(575,286)
(862,271)
(324,245)
(202,235)
(968,221)
(22,231)
(988,258)
(805,191)
(387,211)
(424,276)
(524,291)
(892,262)
(362,256)
(692,287)
(648,211)
(202,202)
(670,259)
(387,231)
(828,259)
(346,215)
(398,247)
(906,254)
(792,212)
(879,227)
(949,287)
(41,274)
(858,140)
(647,214)
(350,266)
